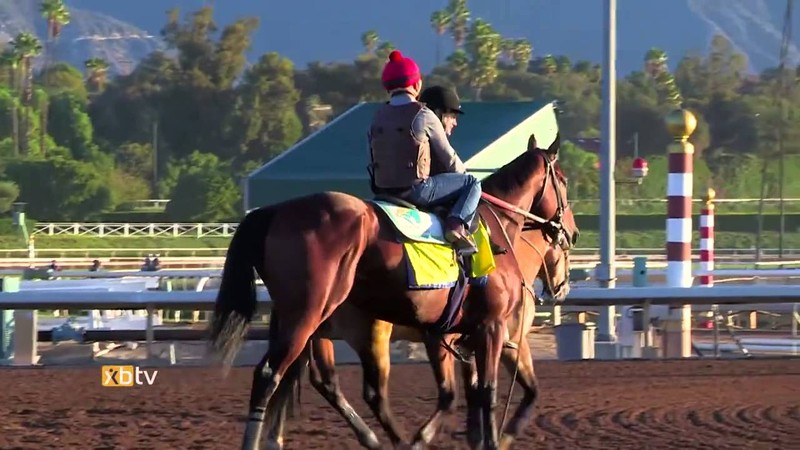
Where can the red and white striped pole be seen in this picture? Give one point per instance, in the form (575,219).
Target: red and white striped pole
(678,325)
(707,238)
(681,124)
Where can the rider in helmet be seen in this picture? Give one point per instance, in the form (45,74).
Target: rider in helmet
(444,102)
(405,139)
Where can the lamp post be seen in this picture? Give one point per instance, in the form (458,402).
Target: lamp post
(608,226)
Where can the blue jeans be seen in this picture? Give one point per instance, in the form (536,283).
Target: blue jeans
(443,188)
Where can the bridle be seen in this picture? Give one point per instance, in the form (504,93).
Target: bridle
(552,228)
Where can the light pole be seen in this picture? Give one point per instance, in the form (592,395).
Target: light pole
(608,221)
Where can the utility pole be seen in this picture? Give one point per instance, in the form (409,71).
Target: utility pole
(783,94)
(608,220)
(155,158)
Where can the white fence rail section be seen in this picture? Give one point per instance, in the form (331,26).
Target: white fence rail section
(25,305)
(197,230)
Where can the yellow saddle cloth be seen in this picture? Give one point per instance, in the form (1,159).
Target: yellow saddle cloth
(435,266)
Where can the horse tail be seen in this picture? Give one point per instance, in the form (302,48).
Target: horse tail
(236,300)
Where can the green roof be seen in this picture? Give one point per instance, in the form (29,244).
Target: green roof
(335,157)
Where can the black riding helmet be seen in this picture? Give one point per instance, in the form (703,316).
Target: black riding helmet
(441,100)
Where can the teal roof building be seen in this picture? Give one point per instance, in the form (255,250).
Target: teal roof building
(335,157)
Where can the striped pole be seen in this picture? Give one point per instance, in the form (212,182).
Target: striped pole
(681,124)
(678,325)
(707,238)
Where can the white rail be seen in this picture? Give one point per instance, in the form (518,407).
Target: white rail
(25,304)
(197,230)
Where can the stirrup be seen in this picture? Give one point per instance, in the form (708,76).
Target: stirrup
(497,249)
(455,351)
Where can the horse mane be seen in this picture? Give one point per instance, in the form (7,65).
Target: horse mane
(513,175)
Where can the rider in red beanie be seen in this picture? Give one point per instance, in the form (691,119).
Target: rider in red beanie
(404,138)
(400,72)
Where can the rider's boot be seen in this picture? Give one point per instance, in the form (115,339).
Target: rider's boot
(456,233)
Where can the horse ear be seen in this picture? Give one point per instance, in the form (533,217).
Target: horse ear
(556,145)
(532,143)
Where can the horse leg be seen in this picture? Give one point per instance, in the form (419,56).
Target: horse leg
(443,365)
(469,377)
(325,380)
(376,363)
(284,400)
(291,327)
(269,372)
(275,436)
(526,377)
(487,358)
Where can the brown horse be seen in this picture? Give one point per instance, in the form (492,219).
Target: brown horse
(371,341)
(316,251)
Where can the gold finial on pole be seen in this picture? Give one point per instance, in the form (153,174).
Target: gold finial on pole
(711,194)
(681,123)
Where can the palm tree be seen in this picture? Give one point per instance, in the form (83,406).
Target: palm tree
(96,73)
(383,50)
(459,19)
(485,45)
(655,65)
(521,53)
(655,61)
(440,20)
(57,15)
(11,60)
(548,65)
(369,39)
(27,46)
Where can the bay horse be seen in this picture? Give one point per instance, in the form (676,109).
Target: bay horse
(317,251)
(370,339)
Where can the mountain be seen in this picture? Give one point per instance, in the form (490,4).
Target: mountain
(308,30)
(89,34)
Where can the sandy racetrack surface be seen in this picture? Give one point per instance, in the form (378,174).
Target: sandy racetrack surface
(600,405)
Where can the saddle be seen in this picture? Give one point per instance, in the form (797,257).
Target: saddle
(441,212)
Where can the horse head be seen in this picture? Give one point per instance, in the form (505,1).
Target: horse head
(535,183)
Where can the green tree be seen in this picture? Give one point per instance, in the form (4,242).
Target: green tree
(484,46)
(57,16)
(11,60)
(265,121)
(60,189)
(96,74)
(27,47)
(203,192)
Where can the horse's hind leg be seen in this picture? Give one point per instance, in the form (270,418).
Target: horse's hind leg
(526,377)
(375,355)
(443,365)
(325,380)
(298,309)
(269,372)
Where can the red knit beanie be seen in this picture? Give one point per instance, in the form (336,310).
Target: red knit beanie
(399,72)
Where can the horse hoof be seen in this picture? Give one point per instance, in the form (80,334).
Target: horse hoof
(506,441)
(371,442)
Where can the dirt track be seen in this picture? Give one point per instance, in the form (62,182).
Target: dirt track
(602,405)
